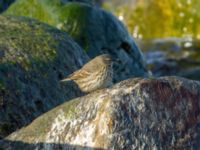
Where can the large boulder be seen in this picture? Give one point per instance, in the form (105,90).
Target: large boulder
(33,58)
(96,30)
(134,114)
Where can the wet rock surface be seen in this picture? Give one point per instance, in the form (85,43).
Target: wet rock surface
(34,57)
(173,56)
(137,113)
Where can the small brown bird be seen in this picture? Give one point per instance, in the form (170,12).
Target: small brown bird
(94,75)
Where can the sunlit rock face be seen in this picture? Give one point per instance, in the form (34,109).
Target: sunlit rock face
(95,30)
(134,114)
(33,58)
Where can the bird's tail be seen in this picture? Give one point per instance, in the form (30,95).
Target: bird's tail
(68,78)
(64,80)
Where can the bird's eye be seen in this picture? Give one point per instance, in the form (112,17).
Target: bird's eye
(109,59)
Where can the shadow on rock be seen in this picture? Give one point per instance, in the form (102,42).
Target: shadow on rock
(18,145)
(73,86)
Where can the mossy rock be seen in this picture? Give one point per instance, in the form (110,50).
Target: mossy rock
(71,17)
(94,29)
(34,57)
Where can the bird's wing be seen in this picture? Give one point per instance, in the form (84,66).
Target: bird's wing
(79,74)
(90,67)
(85,71)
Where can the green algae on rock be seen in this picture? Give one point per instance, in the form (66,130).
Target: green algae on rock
(43,10)
(71,17)
(134,114)
(36,44)
(35,56)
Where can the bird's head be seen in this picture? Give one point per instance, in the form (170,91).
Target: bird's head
(106,59)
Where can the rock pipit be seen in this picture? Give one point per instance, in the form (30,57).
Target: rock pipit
(94,75)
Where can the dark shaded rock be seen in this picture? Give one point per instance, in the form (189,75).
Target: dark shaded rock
(4,4)
(34,57)
(137,113)
(40,146)
(173,57)
(90,2)
(96,30)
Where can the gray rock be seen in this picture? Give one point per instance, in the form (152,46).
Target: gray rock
(34,57)
(134,114)
(98,31)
